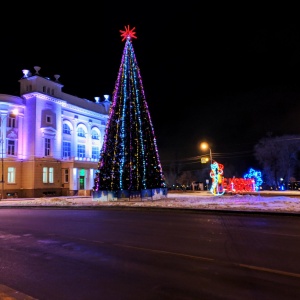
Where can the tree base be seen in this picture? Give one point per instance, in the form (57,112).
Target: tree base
(143,195)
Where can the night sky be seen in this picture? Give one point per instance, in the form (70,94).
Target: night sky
(228,76)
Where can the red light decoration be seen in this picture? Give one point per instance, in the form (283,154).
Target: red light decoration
(128,33)
(238,185)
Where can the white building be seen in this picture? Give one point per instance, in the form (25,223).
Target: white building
(50,140)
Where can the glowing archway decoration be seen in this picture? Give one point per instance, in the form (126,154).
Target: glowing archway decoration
(216,175)
(256,177)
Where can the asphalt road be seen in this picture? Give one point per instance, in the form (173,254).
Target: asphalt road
(125,254)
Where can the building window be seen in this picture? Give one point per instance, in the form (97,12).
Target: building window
(51,175)
(66,129)
(66,149)
(95,153)
(49,119)
(11,175)
(11,147)
(44,89)
(45,175)
(81,151)
(12,121)
(48,175)
(81,132)
(47,147)
(66,175)
(95,135)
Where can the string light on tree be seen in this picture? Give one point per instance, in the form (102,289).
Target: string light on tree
(129,164)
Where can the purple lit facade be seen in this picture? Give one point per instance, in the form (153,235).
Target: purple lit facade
(52,145)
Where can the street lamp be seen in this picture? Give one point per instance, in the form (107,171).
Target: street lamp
(205,146)
(14,112)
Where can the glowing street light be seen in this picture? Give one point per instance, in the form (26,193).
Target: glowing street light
(205,146)
(14,113)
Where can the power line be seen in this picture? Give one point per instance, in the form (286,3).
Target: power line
(214,154)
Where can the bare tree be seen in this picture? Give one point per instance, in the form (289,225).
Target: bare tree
(172,171)
(278,157)
(186,178)
(171,177)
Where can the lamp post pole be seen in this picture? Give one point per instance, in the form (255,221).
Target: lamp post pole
(205,146)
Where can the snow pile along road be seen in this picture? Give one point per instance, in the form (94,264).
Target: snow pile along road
(287,204)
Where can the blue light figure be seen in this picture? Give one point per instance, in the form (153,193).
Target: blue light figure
(256,175)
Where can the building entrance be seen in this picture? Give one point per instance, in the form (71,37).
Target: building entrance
(81,183)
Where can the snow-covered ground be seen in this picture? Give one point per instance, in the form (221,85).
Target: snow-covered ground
(271,202)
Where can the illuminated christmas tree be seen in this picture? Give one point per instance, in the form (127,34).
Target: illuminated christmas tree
(129,164)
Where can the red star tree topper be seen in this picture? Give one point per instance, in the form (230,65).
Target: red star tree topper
(128,33)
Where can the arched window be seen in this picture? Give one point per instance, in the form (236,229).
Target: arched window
(81,132)
(95,134)
(66,128)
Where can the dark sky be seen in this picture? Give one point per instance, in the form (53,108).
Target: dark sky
(228,75)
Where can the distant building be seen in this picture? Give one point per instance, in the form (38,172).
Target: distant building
(50,140)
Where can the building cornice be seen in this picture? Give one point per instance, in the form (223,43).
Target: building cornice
(64,104)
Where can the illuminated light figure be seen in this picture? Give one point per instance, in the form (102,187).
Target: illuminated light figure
(216,175)
(256,178)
